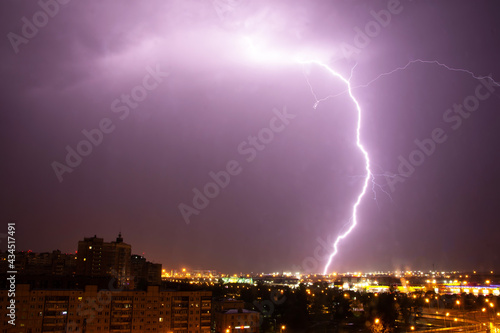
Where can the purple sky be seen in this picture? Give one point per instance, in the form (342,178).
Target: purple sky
(71,73)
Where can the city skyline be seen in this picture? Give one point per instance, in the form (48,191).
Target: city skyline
(188,269)
(181,125)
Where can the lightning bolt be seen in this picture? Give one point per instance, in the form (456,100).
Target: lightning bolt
(257,51)
(368,173)
(276,57)
(413,62)
(431,62)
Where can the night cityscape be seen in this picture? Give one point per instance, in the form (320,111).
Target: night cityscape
(103,287)
(250,166)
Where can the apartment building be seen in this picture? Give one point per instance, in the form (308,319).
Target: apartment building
(91,310)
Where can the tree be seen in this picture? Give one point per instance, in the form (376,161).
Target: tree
(378,327)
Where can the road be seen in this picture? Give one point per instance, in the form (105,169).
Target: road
(457,320)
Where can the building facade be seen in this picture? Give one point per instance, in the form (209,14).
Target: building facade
(91,310)
(231,317)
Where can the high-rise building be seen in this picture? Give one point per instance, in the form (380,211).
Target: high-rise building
(99,258)
(144,272)
(90,257)
(120,259)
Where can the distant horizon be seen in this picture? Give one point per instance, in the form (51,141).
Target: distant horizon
(188,267)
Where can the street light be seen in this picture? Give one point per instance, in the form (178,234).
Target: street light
(459,309)
(492,305)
